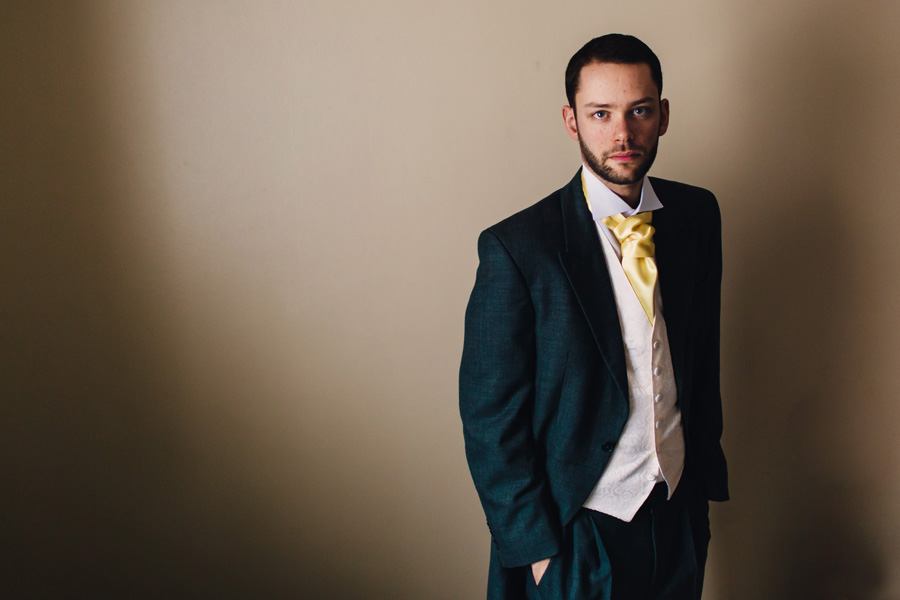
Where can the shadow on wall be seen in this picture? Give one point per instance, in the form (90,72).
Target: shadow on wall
(88,448)
(799,524)
(100,496)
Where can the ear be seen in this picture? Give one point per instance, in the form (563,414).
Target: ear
(663,116)
(568,114)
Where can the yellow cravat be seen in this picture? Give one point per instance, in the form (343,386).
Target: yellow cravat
(635,235)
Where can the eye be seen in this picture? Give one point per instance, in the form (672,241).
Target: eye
(601,114)
(640,111)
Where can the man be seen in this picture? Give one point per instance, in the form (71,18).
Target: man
(589,383)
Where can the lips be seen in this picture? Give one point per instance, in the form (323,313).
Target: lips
(625,156)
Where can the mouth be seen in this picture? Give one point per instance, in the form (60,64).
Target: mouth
(625,156)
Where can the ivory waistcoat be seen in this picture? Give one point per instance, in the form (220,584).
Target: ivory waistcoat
(651,447)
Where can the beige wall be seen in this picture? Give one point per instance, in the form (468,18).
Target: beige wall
(237,241)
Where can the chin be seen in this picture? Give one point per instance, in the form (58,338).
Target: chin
(628,178)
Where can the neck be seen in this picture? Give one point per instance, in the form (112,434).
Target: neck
(630,193)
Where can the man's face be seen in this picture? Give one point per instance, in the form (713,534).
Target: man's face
(617,120)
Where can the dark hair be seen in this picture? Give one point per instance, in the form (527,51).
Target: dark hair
(611,48)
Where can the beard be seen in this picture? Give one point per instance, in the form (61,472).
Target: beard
(606,172)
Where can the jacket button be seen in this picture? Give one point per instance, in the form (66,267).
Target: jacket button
(608,446)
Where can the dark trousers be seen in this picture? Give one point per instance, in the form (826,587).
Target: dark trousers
(659,555)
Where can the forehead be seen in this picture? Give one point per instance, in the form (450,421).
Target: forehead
(614,83)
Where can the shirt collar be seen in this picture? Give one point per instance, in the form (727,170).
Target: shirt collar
(604,202)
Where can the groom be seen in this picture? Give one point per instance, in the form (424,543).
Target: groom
(589,383)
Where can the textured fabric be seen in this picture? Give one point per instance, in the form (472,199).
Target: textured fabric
(543,390)
(651,446)
(659,555)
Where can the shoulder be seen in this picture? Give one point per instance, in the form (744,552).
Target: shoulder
(539,225)
(677,192)
(536,216)
(667,189)
(682,197)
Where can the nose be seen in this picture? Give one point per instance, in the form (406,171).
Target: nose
(623,132)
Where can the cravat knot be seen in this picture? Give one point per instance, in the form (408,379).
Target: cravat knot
(635,234)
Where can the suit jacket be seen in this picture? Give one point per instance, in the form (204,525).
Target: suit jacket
(543,386)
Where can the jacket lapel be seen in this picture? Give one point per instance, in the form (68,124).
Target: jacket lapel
(676,259)
(584,265)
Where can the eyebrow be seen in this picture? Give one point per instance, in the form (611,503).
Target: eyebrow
(643,100)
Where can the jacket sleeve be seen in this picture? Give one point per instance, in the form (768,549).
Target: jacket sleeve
(496,398)
(706,426)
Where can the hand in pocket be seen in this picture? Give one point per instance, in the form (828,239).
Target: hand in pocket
(538,568)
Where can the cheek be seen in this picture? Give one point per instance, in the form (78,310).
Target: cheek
(595,135)
(650,131)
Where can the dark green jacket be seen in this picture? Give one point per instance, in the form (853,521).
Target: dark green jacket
(542,385)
